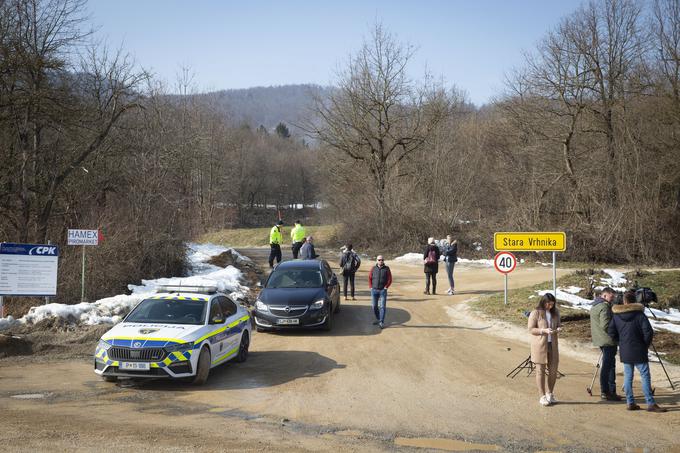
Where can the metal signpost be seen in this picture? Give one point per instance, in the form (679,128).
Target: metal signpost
(83,237)
(505,262)
(533,242)
(27,270)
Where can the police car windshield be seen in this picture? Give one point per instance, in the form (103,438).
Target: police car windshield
(295,278)
(169,311)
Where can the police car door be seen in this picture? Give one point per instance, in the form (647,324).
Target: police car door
(230,310)
(216,320)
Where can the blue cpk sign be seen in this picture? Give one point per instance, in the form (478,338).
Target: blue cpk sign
(8,248)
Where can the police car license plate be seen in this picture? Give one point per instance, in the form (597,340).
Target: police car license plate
(134,366)
(288,321)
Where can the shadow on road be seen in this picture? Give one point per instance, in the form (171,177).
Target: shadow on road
(352,320)
(262,369)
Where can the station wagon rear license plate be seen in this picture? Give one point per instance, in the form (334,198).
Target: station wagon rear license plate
(134,366)
(288,321)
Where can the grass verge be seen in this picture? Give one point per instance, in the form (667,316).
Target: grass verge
(576,323)
(324,236)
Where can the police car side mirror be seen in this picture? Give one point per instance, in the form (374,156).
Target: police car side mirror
(334,280)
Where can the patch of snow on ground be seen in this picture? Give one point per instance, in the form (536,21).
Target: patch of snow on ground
(417,259)
(571,299)
(616,280)
(111,310)
(572,289)
(567,295)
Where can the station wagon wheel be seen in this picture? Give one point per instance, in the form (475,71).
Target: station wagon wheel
(203,367)
(243,348)
(110,378)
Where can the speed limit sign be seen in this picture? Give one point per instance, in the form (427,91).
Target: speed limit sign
(505,262)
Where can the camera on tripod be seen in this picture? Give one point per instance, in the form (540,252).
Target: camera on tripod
(644,296)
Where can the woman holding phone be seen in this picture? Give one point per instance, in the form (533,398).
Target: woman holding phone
(544,325)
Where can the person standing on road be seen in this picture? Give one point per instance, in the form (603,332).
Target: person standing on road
(544,325)
(631,329)
(349,263)
(600,317)
(431,265)
(450,258)
(297,234)
(307,250)
(275,239)
(379,280)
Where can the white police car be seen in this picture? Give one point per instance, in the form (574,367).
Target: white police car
(181,332)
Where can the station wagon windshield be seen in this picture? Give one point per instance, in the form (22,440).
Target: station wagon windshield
(169,311)
(295,278)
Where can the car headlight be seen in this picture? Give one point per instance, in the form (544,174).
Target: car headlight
(104,345)
(178,347)
(261,305)
(318,304)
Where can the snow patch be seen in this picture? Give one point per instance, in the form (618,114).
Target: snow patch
(111,310)
(417,259)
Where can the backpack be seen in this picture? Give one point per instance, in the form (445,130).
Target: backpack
(431,257)
(351,263)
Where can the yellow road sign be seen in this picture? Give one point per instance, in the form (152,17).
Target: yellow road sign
(539,241)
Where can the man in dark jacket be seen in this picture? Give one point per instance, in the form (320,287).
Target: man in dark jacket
(600,317)
(379,279)
(631,329)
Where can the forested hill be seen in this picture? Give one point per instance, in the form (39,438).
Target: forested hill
(266,106)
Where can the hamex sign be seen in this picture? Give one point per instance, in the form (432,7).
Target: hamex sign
(83,237)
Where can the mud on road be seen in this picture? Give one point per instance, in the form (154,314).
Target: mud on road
(434,378)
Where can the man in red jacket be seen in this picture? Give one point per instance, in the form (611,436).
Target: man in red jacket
(379,279)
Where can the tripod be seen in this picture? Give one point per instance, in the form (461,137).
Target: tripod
(527,364)
(597,368)
(657,354)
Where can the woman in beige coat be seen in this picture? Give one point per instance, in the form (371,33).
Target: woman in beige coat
(544,325)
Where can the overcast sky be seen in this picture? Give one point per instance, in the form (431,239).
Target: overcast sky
(230,44)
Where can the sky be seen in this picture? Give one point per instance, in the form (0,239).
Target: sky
(239,44)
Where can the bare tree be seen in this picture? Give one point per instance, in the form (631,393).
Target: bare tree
(378,115)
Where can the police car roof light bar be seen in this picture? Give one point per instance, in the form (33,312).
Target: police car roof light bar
(186,289)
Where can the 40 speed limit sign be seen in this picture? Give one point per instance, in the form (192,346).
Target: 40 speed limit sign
(505,262)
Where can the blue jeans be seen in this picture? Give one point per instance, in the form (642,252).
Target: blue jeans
(449,272)
(608,370)
(645,377)
(379,301)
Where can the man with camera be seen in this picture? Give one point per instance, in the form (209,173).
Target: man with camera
(600,317)
(631,329)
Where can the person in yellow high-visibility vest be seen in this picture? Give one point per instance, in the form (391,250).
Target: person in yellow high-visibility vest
(275,239)
(297,234)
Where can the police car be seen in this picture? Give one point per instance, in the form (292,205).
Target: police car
(180,332)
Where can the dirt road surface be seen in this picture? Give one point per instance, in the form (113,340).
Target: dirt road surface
(434,379)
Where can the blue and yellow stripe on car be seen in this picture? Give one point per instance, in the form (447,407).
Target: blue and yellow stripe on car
(230,329)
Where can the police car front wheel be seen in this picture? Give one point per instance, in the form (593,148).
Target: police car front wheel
(243,348)
(203,367)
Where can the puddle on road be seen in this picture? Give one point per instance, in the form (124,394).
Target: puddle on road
(443,444)
(31,396)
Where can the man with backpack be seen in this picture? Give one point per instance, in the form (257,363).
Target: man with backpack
(431,262)
(349,263)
